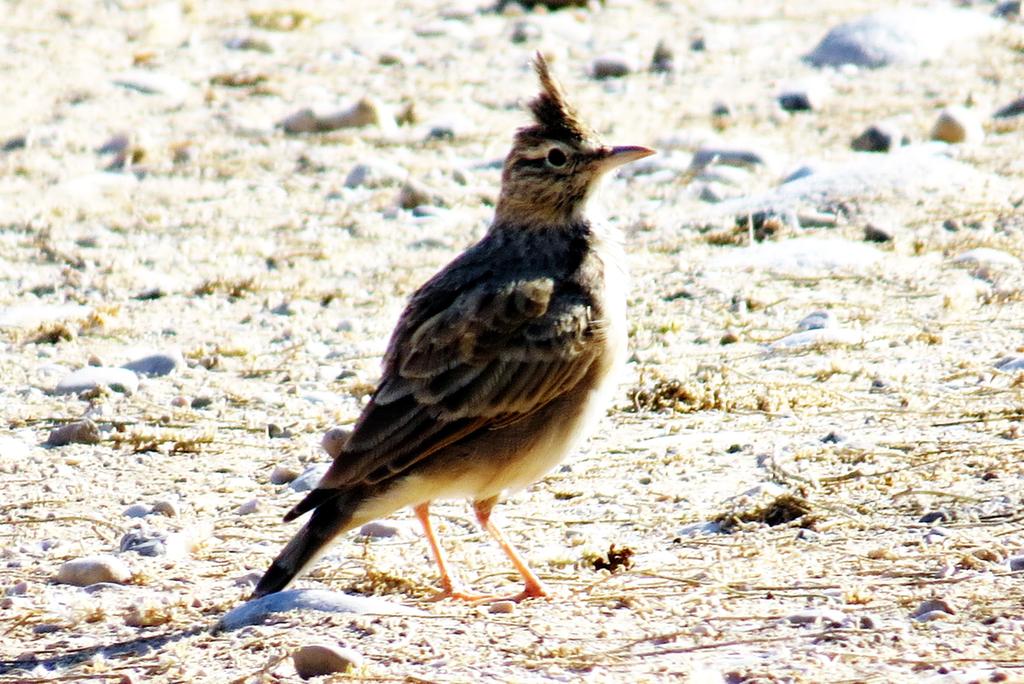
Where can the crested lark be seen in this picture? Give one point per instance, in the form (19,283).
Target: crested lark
(499,364)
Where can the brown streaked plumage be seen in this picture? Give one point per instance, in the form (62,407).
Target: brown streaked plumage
(499,363)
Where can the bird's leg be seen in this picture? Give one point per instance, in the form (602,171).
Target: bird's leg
(534,587)
(450,587)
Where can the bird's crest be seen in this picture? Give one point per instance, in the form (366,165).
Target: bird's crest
(555,118)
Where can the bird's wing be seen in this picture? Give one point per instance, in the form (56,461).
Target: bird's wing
(494,354)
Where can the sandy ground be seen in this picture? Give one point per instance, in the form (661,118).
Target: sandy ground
(791,510)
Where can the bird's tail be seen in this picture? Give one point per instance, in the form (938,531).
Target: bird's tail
(332,516)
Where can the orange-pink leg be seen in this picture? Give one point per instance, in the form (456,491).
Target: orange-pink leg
(450,586)
(534,587)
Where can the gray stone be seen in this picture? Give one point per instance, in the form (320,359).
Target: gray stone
(82,572)
(143,544)
(875,233)
(78,432)
(248,508)
(933,605)
(158,364)
(1011,364)
(309,478)
(90,377)
(282,475)
(819,337)
(879,137)
(526,32)
(610,66)
(317,660)
(363,113)
(820,616)
(816,320)
(380,529)
(154,83)
(803,96)
(663,59)
(254,612)
(706,156)
(1015,108)
(903,173)
(899,36)
(375,175)
(138,510)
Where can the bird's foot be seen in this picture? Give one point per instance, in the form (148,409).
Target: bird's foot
(459,593)
(529,591)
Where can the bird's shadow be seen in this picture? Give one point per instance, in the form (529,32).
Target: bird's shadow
(136,647)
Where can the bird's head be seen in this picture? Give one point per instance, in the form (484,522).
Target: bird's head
(556,162)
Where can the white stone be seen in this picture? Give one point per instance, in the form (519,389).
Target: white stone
(82,572)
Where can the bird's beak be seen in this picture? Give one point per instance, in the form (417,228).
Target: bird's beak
(612,157)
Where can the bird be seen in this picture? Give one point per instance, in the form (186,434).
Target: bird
(499,364)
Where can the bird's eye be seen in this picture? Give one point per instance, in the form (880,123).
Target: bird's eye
(556,157)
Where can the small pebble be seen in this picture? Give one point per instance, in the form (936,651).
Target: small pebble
(282,475)
(309,478)
(167,507)
(79,432)
(876,233)
(930,606)
(609,66)
(1015,108)
(820,336)
(932,615)
(375,175)
(706,156)
(316,660)
(1009,9)
(147,545)
(1016,563)
(502,607)
(935,516)
(663,59)
(138,510)
(813,616)
(90,377)
(526,32)
(381,529)
(958,125)
(82,572)
(987,256)
(803,97)
(248,508)
(275,431)
(154,83)
(816,321)
(155,365)
(334,440)
(363,113)
(413,195)
(833,438)
(200,403)
(879,137)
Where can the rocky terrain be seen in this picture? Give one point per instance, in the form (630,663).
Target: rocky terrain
(811,472)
